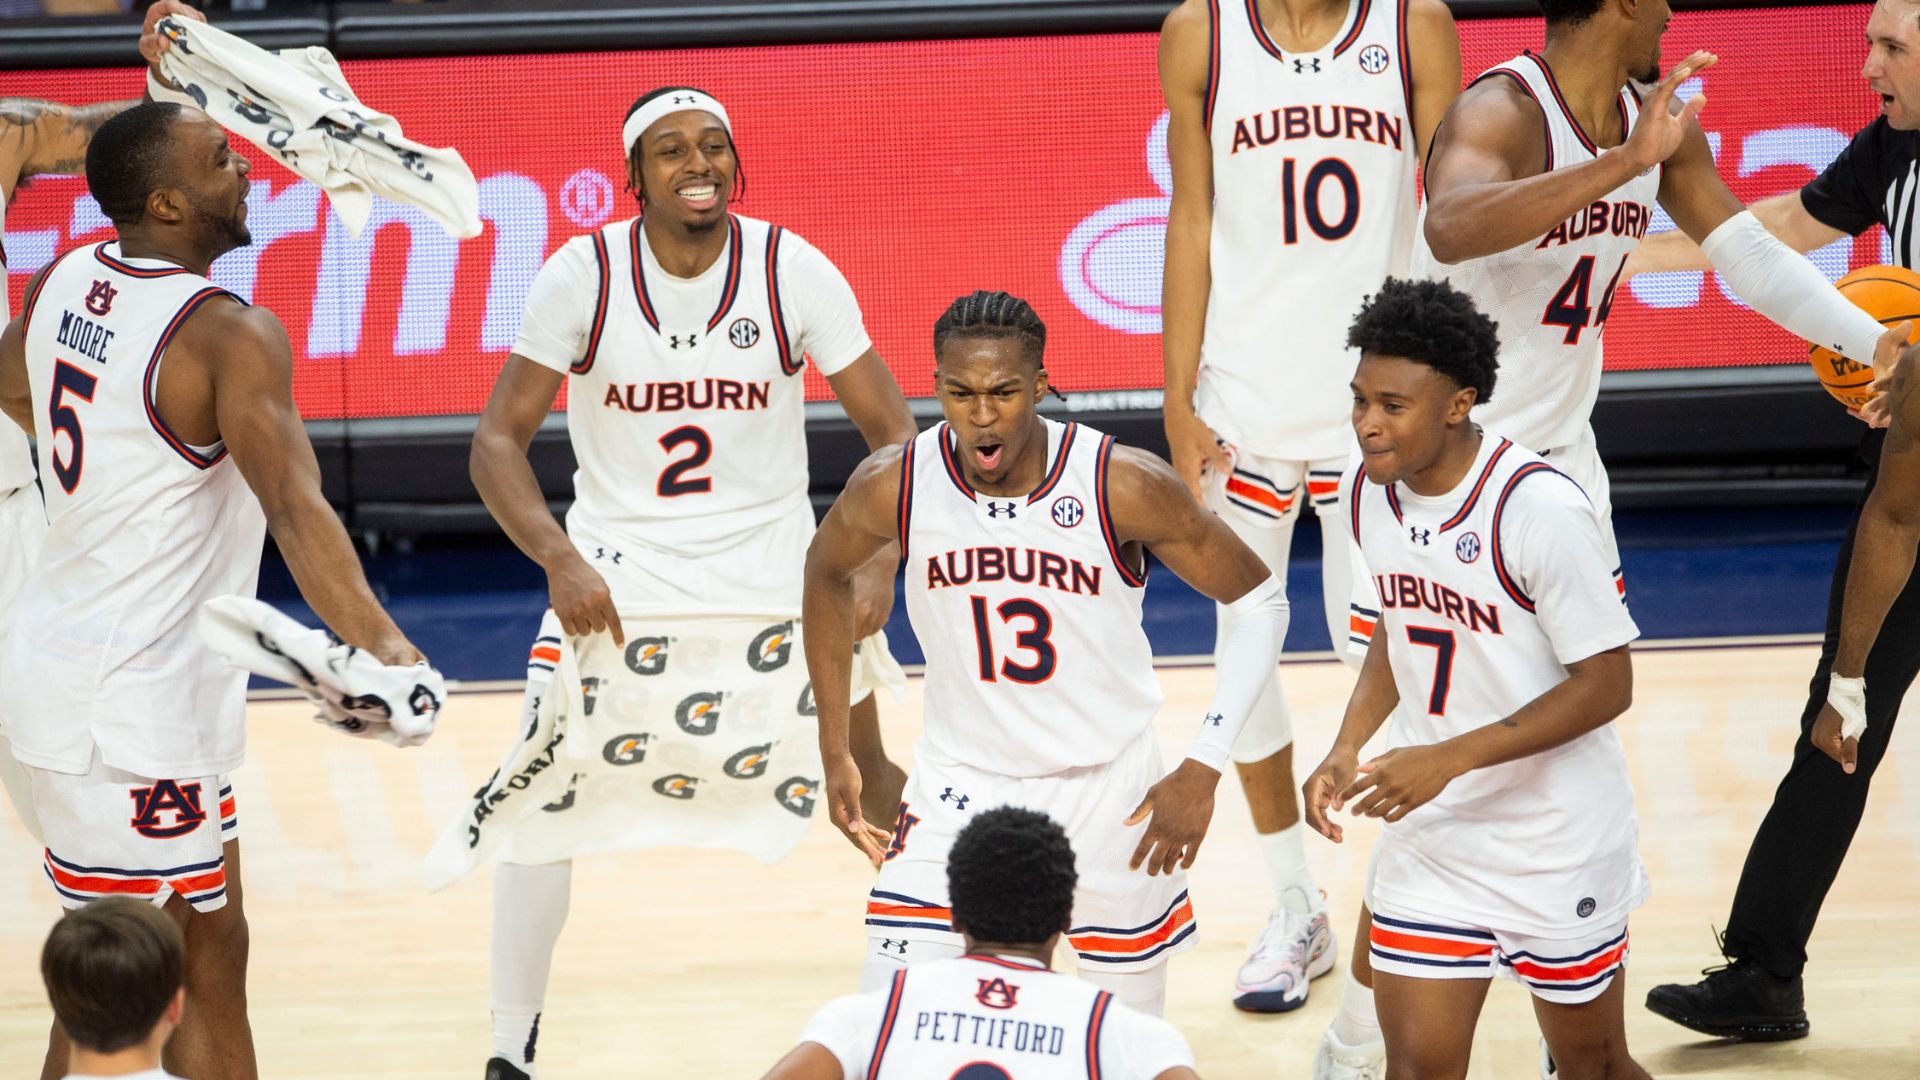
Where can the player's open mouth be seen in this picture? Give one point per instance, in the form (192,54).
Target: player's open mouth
(987,456)
(700,196)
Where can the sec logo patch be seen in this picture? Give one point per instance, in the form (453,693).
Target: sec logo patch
(1067,511)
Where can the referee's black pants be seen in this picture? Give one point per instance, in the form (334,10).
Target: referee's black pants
(1817,808)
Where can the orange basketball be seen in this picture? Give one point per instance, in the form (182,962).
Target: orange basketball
(1890,294)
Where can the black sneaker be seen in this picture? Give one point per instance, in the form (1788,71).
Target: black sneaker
(1737,1000)
(501,1069)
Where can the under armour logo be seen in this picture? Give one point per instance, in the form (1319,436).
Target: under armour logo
(1301,67)
(673,341)
(1001,509)
(959,801)
(1213,719)
(684,99)
(899,947)
(1418,535)
(602,553)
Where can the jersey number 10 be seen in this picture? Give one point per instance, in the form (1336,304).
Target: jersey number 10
(1294,197)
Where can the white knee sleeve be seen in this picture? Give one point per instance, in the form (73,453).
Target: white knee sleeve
(1142,991)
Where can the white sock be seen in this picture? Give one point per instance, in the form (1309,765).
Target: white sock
(1356,1024)
(529,909)
(1286,853)
(1142,991)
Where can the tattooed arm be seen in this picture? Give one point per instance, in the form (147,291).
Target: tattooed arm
(38,137)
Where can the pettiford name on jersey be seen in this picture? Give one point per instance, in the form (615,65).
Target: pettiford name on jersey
(1551,296)
(1545,843)
(1313,159)
(989,1018)
(1027,611)
(142,528)
(709,419)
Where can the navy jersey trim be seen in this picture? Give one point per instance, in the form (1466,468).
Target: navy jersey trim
(1353,499)
(1406,59)
(1546,125)
(1096,1020)
(1507,582)
(1213,66)
(600,304)
(179,445)
(788,363)
(886,1024)
(1059,465)
(33,294)
(1127,573)
(1473,496)
(732,289)
(118,267)
(946,439)
(903,512)
(639,275)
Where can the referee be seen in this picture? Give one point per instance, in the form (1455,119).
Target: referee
(1757,995)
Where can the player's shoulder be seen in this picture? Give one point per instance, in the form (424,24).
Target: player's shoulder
(1498,95)
(1428,17)
(1533,489)
(1187,19)
(879,475)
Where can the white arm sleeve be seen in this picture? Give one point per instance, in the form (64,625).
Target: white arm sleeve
(559,313)
(1246,663)
(846,1027)
(1781,284)
(1135,1046)
(1550,542)
(824,317)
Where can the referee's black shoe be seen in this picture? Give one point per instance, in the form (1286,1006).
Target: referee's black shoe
(501,1069)
(1737,1000)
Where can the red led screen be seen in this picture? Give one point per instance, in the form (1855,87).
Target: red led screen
(924,169)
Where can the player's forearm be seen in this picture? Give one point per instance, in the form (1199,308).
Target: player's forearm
(65,132)
(504,478)
(1882,561)
(1245,666)
(1665,252)
(826,611)
(1781,284)
(328,573)
(1585,700)
(1186,281)
(1375,696)
(1470,221)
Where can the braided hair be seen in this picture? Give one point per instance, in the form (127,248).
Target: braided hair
(993,315)
(639,149)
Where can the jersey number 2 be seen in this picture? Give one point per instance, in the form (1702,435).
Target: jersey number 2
(1034,639)
(674,479)
(68,379)
(1569,307)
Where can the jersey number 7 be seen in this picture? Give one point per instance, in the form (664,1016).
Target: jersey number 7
(1441,642)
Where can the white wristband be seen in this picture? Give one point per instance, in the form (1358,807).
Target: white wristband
(1849,698)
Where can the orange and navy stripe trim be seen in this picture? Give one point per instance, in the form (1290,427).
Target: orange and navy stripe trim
(147,388)
(1429,944)
(1553,87)
(1104,457)
(903,510)
(1059,464)
(1031,965)
(34,288)
(1361,623)
(196,883)
(1346,42)
(732,289)
(1353,32)
(1393,500)
(1582,971)
(639,275)
(1507,582)
(1405,57)
(1213,66)
(902,912)
(952,462)
(545,654)
(887,1021)
(600,304)
(1479,485)
(727,293)
(228,819)
(1258,494)
(130,270)
(1095,1021)
(789,364)
(1354,487)
(1323,486)
(1519,80)
(1114,945)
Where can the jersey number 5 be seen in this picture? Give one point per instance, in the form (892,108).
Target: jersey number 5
(61,417)
(1033,640)
(1569,307)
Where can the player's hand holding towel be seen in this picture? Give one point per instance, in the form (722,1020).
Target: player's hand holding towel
(355,692)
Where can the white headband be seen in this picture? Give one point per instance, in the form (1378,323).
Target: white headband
(666,104)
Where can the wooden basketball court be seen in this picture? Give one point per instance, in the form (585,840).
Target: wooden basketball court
(704,964)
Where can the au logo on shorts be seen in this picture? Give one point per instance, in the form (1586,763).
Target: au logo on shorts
(699,713)
(626,749)
(677,786)
(796,794)
(748,763)
(181,802)
(1585,907)
(771,648)
(997,994)
(647,655)
(743,333)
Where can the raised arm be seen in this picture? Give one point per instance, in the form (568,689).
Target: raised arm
(1486,191)
(1434,44)
(249,364)
(1187,275)
(1884,540)
(861,524)
(16,394)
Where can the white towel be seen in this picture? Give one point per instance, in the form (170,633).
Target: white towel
(298,107)
(356,693)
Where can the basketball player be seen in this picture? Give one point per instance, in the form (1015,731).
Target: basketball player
(684,332)
(163,406)
(40,138)
(113,975)
(997,1011)
(1872,648)
(1501,657)
(1294,129)
(1025,548)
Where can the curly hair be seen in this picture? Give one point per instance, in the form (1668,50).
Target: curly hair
(1432,323)
(1010,876)
(993,315)
(130,157)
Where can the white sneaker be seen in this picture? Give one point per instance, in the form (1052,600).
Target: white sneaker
(1548,1070)
(1336,1060)
(1293,950)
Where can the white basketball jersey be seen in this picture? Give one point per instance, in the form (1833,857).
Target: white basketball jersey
(694,431)
(1026,609)
(1314,206)
(16,456)
(987,1018)
(1552,296)
(143,529)
(1482,592)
